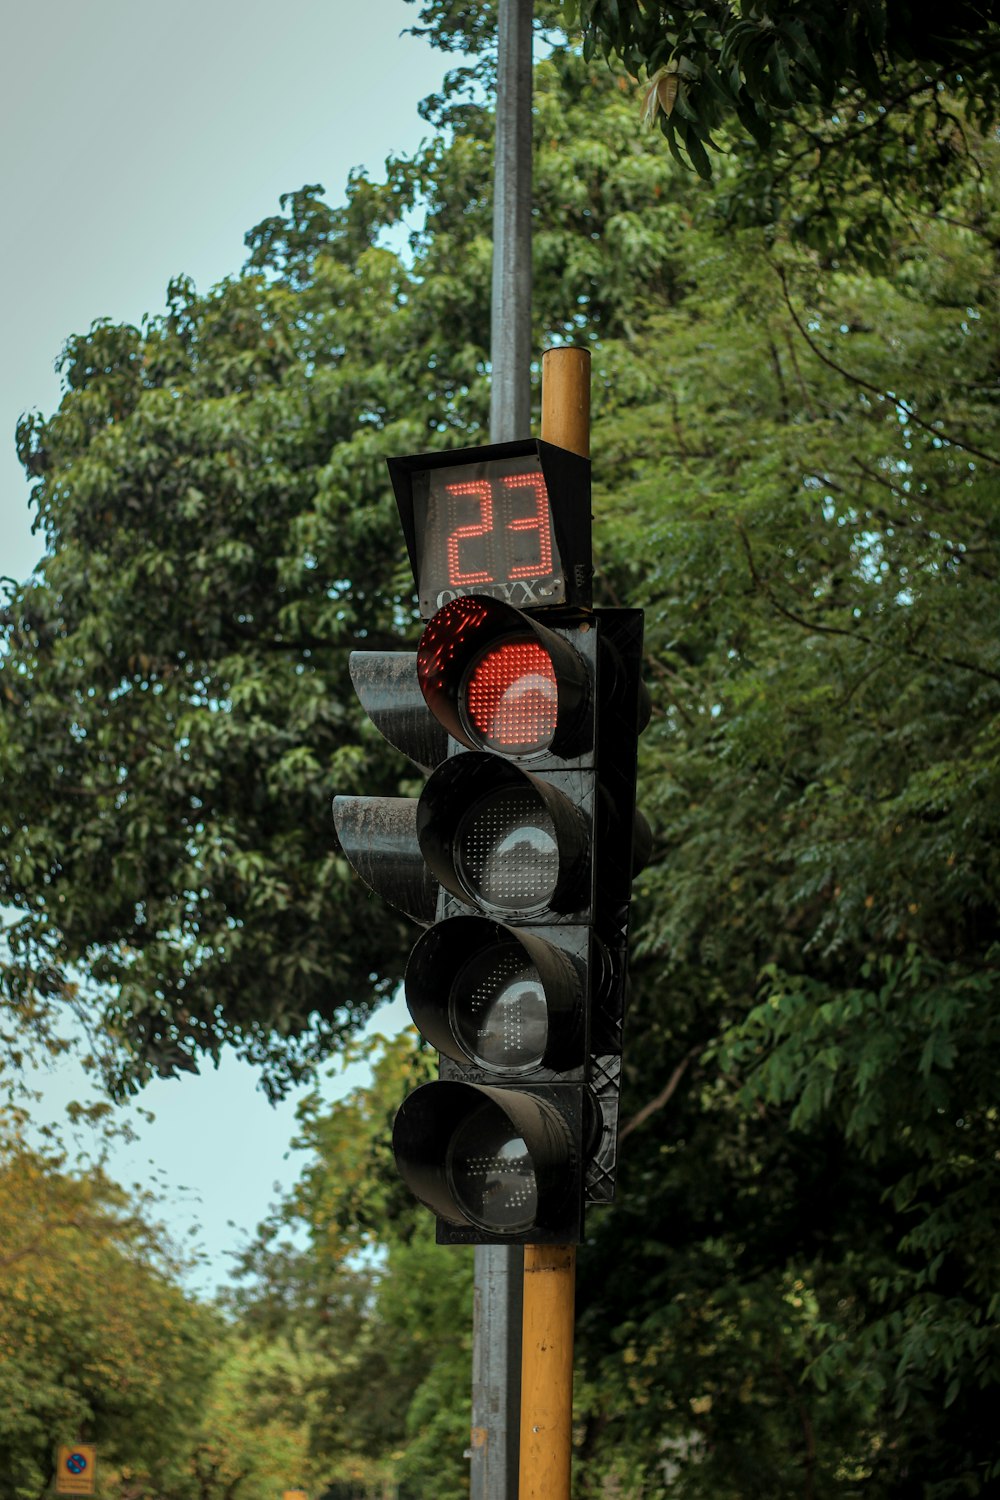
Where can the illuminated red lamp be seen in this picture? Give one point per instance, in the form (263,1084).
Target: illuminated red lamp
(498,680)
(511,697)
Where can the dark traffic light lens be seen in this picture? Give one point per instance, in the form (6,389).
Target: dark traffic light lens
(499,1012)
(505,1160)
(507,851)
(511,698)
(491,1173)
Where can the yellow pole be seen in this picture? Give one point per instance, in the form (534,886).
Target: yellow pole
(550,1270)
(566,399)
(547,1372)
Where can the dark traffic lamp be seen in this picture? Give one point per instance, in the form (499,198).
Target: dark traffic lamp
(526,832)
(495,1164)
(503,840)
(496,998)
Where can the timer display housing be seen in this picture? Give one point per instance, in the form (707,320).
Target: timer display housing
(508,520)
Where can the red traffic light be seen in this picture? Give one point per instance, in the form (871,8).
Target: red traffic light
(518,854)
(498,680)
(511,698)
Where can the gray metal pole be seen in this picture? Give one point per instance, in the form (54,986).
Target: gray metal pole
(496,1323)
(510,324)
(496,1372)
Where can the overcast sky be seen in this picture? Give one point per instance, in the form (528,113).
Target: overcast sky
(140,140)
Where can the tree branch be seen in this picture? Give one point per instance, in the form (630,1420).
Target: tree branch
(866,385)
(660,1099)
(853,635)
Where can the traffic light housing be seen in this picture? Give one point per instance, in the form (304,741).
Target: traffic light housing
(518,855)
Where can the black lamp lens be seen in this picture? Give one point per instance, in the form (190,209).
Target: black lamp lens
(498,1010)
(491,1173)
(507,854)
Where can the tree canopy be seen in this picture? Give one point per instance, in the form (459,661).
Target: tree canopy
(97,1342)
(100,1343)
(767,64)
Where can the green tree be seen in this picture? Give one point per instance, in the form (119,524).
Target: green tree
(385,1313)
(98,1343)
(798,469)
(774,66)
(174,681)
(828,118)
(176,706)
(248,1445)
(810,459)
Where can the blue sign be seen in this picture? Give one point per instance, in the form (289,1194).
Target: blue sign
(76,1463)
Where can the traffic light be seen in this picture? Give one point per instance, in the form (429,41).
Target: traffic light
(524,705)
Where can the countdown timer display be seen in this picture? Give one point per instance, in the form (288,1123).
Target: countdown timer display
(509,520)
(482,527)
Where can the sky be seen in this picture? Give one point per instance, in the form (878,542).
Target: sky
(140,140)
